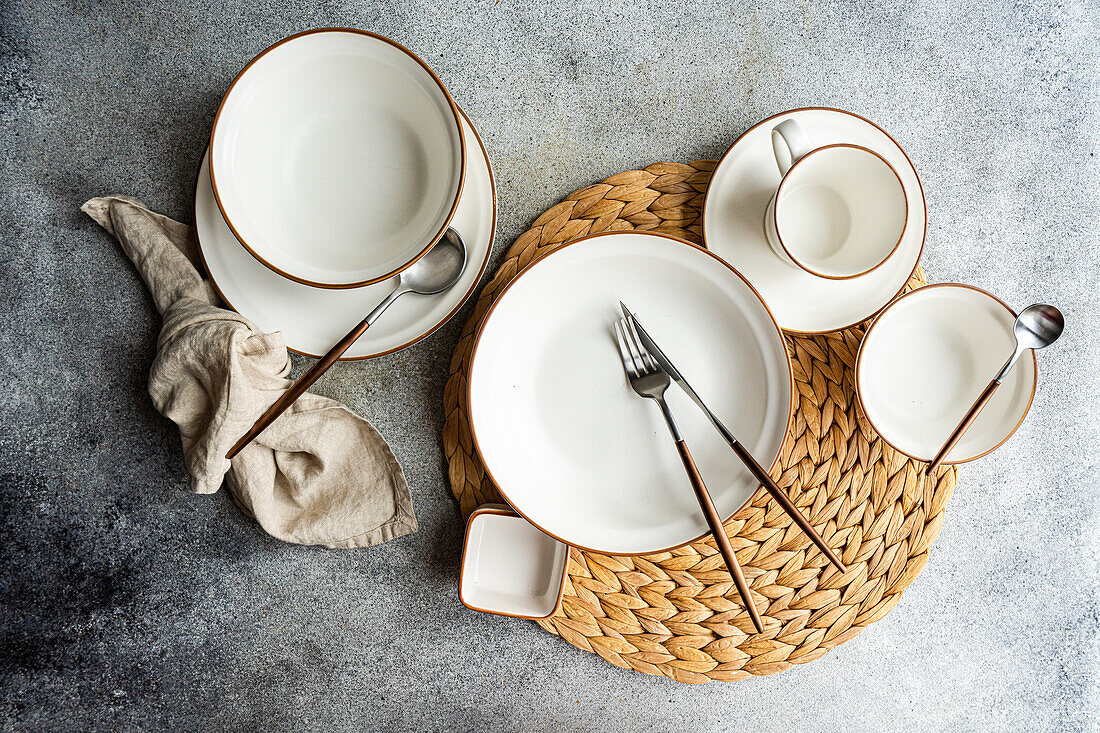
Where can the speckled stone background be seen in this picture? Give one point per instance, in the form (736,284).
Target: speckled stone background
(127,602)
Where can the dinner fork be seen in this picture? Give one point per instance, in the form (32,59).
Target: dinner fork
(651,350)
(648,380)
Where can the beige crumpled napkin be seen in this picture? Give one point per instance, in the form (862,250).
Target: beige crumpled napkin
(318,475)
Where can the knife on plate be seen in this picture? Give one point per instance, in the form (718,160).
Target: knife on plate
(757,470)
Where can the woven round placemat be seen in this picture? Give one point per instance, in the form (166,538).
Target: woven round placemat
(677,613)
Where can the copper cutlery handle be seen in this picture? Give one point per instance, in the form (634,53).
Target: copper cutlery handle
(288,398)
(720,536)
(785,502)
(964,425)
(662,361)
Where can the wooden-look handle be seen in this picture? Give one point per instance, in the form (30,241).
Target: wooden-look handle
(964,425)
(788,505)
(296,389)
(720,537)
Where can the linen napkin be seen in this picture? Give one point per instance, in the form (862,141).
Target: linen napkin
(319,474)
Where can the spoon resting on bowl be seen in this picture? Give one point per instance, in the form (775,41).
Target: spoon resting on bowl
(1036,327)
(439,269)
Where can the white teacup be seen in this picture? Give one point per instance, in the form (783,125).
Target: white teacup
(840,210)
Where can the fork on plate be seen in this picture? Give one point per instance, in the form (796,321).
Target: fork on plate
(649,380)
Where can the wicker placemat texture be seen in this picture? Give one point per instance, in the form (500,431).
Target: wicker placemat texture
(677,613)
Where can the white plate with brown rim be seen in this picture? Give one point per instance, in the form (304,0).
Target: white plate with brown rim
(337,158)
(743,183)
(562,435)
(313,319)
(926,359)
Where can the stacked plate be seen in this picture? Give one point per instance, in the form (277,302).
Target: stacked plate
(336,161)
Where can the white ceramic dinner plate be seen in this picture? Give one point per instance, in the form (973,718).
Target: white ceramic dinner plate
(337,157)
(565,439)
(924,361)
(313,319)
(733,214)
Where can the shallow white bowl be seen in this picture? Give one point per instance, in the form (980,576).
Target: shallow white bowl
(924,361)
(562,435)
(509,567)
(337,158)
(275,303)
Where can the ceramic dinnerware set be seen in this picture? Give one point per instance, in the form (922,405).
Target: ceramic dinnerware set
(814,221)
(338,160)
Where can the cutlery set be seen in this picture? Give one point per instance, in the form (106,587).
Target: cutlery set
(648,346)
(649,380)
(341,176)
(650,372)
(649,376)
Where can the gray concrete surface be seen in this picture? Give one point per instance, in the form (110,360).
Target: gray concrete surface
(128,603)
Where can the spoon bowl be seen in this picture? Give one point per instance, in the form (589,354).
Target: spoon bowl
(1038,326)
(438,269)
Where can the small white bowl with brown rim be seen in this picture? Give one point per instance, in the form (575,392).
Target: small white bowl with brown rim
(510,567)
(924,361)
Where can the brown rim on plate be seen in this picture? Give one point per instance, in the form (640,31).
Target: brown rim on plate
(804,266)
(859,361)
(920,186)
(461,172)
(462,564)
(677,240)
(433,329)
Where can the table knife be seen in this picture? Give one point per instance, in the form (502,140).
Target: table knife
(757,470)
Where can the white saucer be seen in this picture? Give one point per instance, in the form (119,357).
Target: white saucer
(733,214)
(313,319)
(567,441)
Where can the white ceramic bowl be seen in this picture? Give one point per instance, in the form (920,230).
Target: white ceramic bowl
(337,158)
(924,361)
(839,212)
(274,303)
(562,435)
(509,567)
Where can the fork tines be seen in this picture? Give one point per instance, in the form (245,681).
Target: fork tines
(636,359)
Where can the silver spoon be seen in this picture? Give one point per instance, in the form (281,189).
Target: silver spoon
(1037,326)
(438,270)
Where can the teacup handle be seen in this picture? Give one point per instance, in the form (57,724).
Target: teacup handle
(789,144)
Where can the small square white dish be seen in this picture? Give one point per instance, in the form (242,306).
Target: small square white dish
(509,566)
